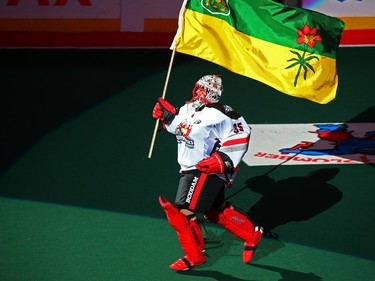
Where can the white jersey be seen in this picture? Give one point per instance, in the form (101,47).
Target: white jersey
(198,131)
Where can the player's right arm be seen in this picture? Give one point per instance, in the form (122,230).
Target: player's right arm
(164,111)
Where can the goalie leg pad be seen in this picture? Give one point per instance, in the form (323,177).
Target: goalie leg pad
(175,218)
(239,225)
(189,235)
(234,221)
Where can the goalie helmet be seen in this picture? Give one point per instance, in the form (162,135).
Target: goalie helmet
(213,87)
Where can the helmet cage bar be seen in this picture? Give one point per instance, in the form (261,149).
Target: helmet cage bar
(211,95)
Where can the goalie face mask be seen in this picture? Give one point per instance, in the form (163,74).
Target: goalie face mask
(208,89)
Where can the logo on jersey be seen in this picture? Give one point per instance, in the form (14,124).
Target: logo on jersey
(182,132)
(184,129)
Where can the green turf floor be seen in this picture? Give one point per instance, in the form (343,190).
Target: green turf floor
(78,195)
(41,241)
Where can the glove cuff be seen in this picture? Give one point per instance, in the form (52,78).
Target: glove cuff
(228,163)
(169,111)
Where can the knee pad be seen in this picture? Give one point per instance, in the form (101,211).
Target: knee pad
(175,218)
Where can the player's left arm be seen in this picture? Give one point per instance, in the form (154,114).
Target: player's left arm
(235,139)
(232,143)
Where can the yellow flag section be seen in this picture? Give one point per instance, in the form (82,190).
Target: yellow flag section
(295,72)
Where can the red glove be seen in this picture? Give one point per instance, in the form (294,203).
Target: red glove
(217,163)
(157,112)
(212,165)
(164,111)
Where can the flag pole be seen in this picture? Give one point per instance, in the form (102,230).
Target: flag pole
(163,96)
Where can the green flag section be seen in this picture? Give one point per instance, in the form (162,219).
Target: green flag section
(290,49)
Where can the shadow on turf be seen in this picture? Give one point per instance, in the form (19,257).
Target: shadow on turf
(216,275)
(286,275)
(226,244)
(291,199)
(290,275)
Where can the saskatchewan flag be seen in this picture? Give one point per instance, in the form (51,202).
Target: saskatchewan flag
(290,49)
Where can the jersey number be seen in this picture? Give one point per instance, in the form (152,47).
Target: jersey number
(237,127)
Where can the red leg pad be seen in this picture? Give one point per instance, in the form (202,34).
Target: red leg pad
(239,225)
(176,219)
(250,247)
(233,221)
(188,232)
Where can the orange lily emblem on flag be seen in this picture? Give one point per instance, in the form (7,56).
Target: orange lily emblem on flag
(308,37)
